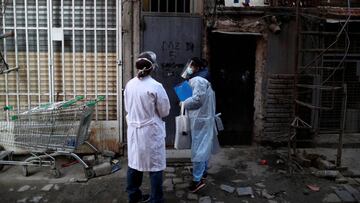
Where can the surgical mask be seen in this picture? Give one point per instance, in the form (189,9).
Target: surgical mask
(189,71)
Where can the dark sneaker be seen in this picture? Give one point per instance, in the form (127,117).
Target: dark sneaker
(245,4)
(196,186)
(145,198)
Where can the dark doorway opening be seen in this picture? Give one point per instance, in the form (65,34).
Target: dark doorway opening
(232,59)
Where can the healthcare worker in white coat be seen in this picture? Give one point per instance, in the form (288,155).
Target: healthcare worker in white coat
(146,103)
(201,110)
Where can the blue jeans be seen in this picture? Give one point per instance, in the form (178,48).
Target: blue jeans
(199,168)
(134,180)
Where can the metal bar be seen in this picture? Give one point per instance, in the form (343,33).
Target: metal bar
(50,54)
(65,28)
(16,57)
(106,62)
(35,94)
(119,99)
(320,33)
(84,48)
(63,52)
(95,60)
(310,106)
(5,58)
(320,50)
(321,68)
(343,122)
(73,47)
(27,54)
(292,140)
(184,5)
(176,6)
(38,50)
(320,87)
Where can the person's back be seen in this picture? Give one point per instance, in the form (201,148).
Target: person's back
(146,102)
(141,96)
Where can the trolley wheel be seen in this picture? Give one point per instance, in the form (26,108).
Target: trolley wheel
(25,171)
(89,173)
(56,173)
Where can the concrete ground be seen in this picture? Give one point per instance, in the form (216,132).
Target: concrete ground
(230,169)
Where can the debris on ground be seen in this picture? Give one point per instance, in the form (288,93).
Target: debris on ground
(47,187)
(227,188)
(102,169)
(245,191)
(24,188)
(313,188)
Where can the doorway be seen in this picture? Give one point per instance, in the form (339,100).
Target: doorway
(232,59)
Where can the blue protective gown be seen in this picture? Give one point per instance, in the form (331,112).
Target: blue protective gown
(201,111)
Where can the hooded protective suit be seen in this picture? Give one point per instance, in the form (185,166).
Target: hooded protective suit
(201,111)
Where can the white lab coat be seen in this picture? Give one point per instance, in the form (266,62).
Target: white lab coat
(146,102)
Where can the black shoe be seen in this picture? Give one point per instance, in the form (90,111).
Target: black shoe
(145,198)
(196,186)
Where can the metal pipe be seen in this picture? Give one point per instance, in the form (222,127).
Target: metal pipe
(292,134)
(73,48)
(27,54)
(50,51)
(343,121)
(38,50)
(84,49)
(63,52)
(119,72)
(5,58)
(106,63)
(95,60)
(16,57)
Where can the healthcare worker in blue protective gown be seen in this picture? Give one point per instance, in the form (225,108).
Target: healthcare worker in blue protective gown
(146,103)
(201,110)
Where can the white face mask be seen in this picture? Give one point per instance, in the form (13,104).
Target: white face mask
(189,71)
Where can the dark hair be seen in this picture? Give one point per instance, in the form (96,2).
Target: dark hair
(144,66)
(197,62)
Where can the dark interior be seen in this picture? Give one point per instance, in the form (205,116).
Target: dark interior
(232,66)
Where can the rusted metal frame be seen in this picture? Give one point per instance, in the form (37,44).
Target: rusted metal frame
(341,135)
(292,133)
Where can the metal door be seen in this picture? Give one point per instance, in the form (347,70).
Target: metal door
(64,48)
(174,39)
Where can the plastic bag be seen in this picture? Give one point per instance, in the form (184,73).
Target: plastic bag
(182,130)
(218,122)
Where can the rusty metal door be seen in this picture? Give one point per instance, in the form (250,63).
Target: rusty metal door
(174,39)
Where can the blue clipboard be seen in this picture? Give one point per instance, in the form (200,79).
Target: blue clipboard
(183,90)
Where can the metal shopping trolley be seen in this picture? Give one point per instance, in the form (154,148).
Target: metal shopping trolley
(48,131)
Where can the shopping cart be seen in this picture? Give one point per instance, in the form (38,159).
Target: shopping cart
(48,131)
